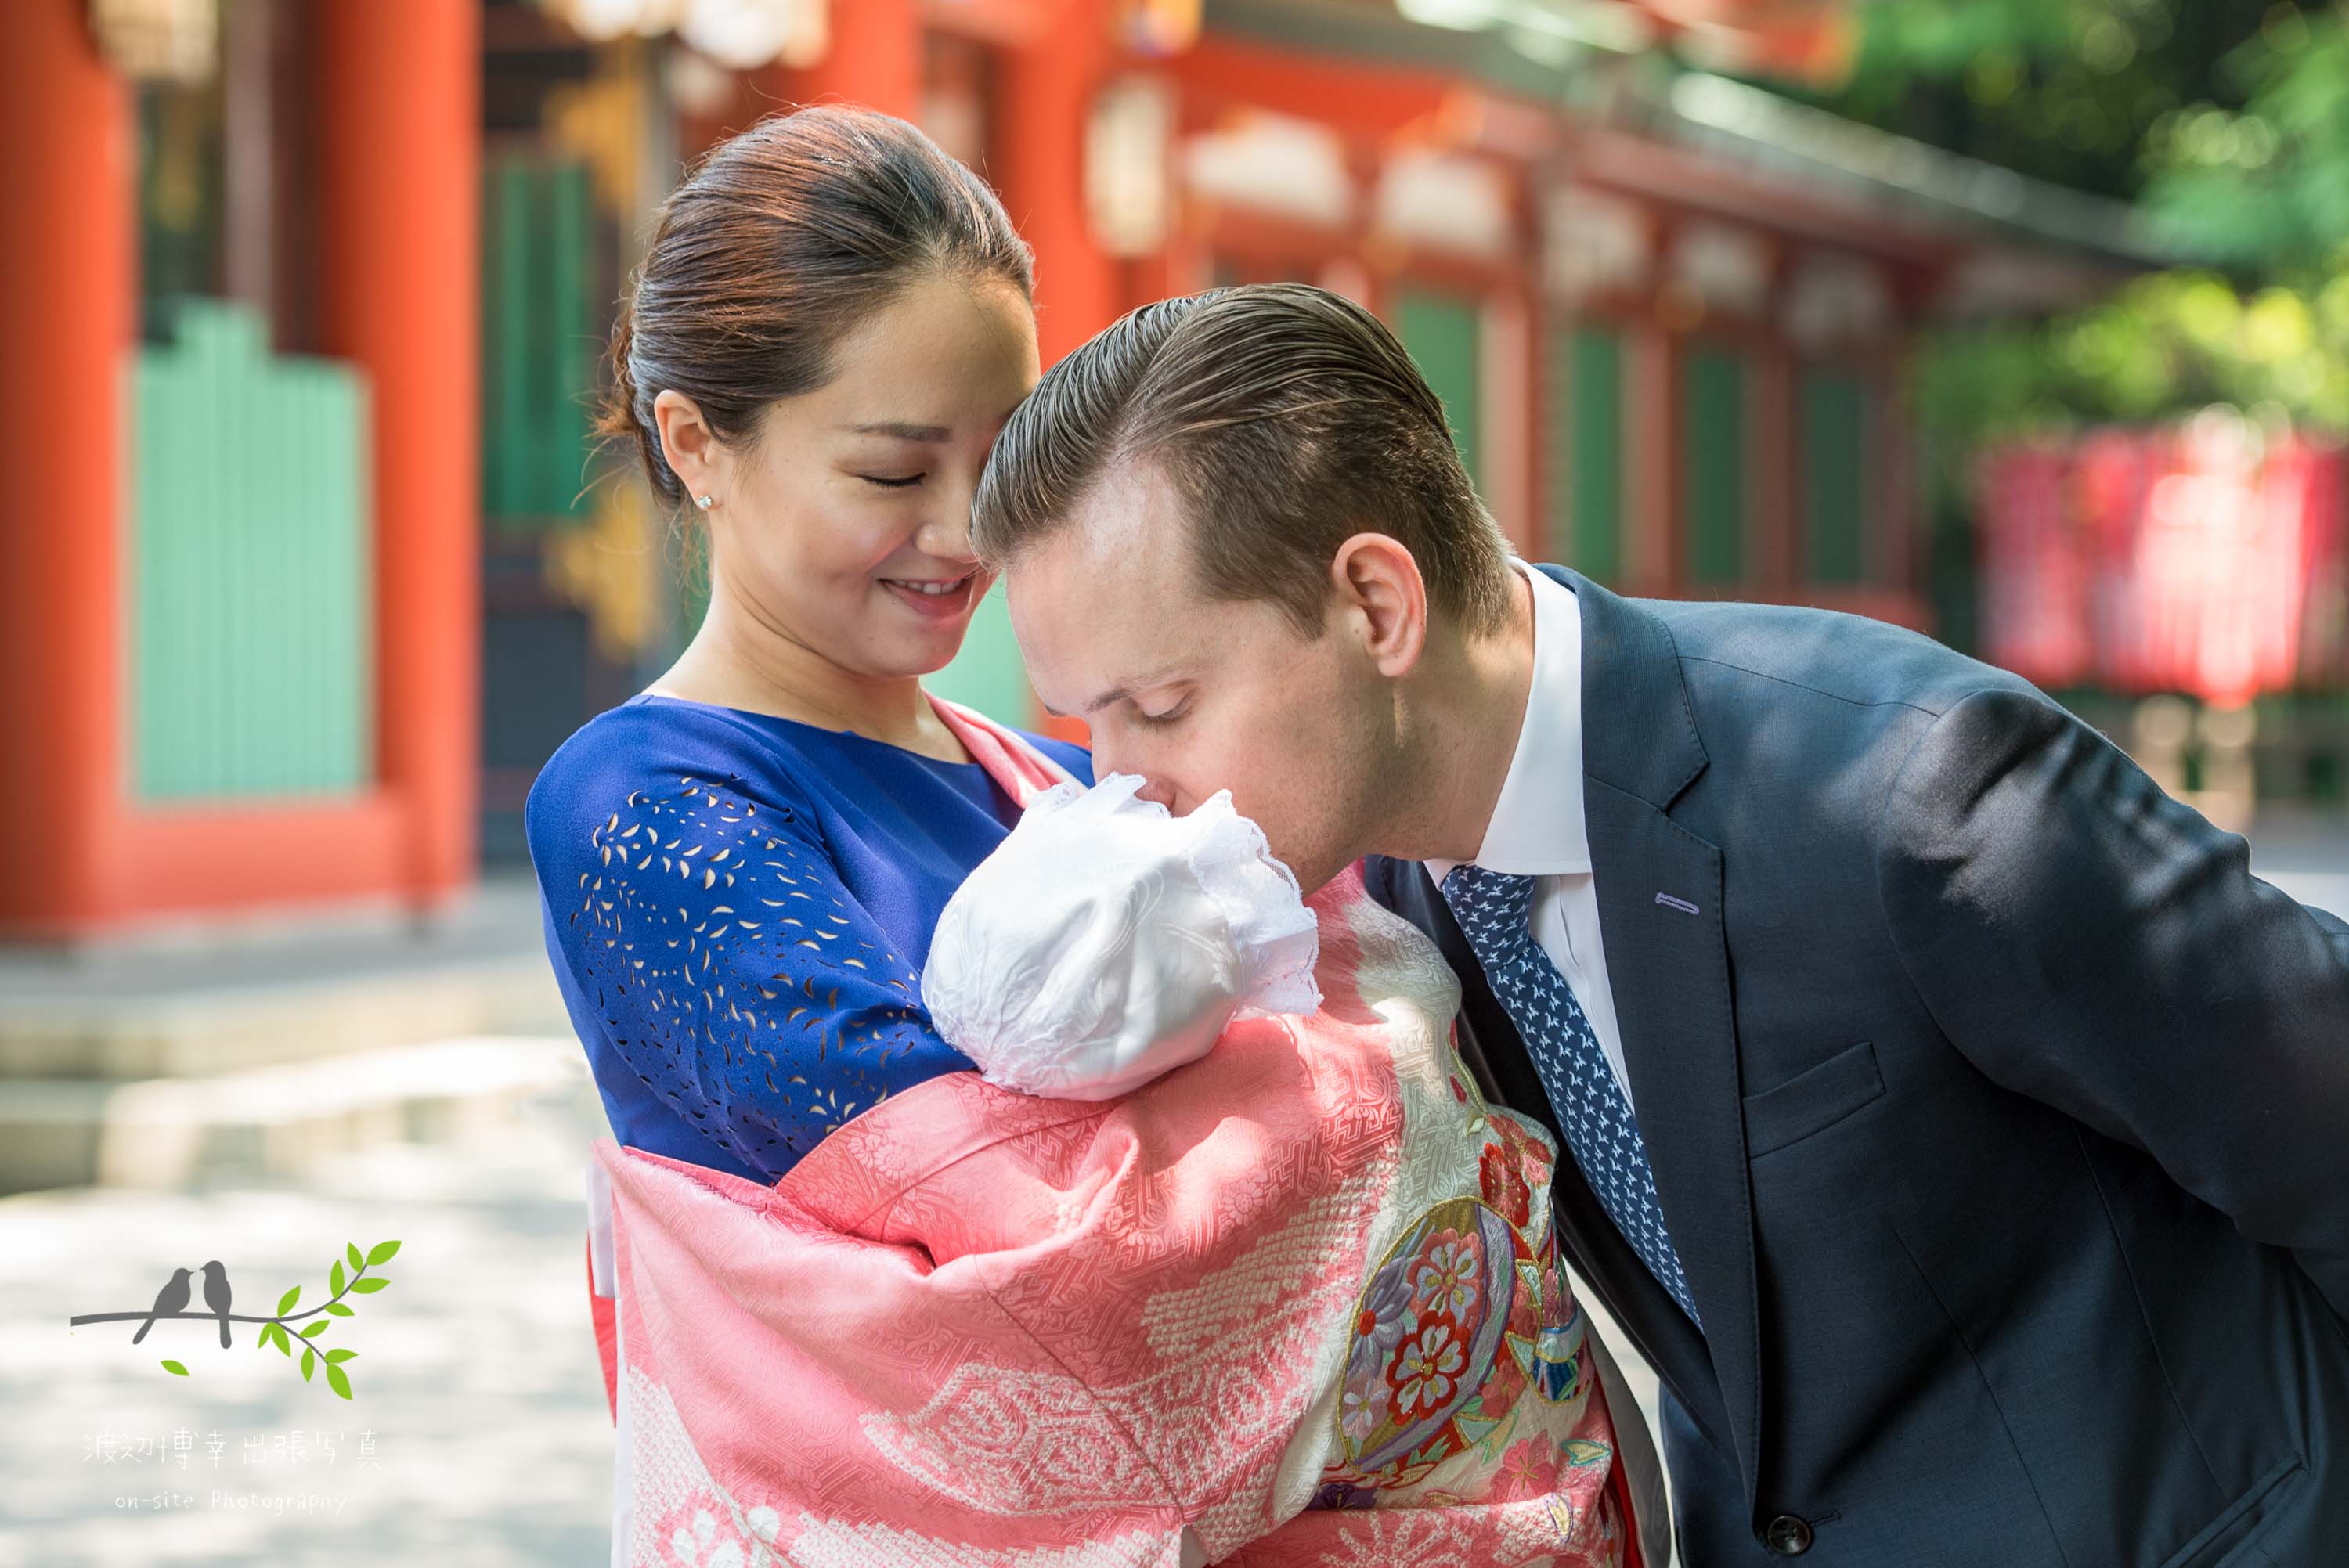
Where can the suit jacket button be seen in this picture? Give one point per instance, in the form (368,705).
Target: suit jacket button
(1787,1536)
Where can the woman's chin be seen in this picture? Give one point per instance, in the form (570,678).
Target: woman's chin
(909,658)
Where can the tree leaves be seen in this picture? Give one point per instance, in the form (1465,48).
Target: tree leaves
(337,1381)
(2075,93)
(174,1368)
(2264,185)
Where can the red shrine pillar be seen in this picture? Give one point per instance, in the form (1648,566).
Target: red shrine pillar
(1036,159)
(1038,162)
(398,139)
(68,304)
(875,59)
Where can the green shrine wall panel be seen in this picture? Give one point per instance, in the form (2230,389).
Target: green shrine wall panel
(1714,468)
(1440,331)
(251,590)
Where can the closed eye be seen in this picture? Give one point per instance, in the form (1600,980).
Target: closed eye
(1157,719)
(889,483)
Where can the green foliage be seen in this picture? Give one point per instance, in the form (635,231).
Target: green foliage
(2251,169)
(2064,90)
(2166,344)
(2266,185)
(2229,119)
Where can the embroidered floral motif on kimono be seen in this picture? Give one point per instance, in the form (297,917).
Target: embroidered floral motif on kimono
(1462,1320)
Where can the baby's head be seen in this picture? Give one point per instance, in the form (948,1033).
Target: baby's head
(1107,941)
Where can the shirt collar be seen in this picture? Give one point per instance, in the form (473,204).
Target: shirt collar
(1537,827)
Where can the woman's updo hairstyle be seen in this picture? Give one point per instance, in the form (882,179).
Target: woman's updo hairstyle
(774,248)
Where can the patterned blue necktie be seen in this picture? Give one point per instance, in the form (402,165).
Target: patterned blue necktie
(1495,909)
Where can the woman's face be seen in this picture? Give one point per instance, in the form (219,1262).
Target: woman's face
(842,522)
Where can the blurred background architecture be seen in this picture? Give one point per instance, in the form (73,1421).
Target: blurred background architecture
(2024,324)
(322,567)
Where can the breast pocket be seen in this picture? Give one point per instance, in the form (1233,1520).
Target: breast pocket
(1812,1101)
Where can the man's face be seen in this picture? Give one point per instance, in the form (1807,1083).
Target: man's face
(1198,695)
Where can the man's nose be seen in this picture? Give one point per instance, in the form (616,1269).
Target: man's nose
(1116,753)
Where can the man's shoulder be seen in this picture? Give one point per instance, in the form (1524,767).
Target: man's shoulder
(1843,659)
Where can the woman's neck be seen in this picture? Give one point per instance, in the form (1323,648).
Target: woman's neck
(741,659)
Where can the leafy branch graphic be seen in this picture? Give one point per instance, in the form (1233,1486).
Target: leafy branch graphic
(173,1301)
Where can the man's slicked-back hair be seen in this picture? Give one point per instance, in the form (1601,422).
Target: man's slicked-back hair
(1286,417)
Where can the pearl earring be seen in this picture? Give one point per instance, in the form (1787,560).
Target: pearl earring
(704,502)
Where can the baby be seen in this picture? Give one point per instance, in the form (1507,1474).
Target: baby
(1107,948)
(1106,942)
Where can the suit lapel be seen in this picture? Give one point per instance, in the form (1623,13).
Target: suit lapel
(1659,920)
(1668,970)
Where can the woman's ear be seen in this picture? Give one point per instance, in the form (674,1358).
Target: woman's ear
(1379,589)
(694,452)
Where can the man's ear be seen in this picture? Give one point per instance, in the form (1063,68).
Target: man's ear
(694,452)
(1382,597)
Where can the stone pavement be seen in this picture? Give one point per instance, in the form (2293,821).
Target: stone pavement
(2305,853)
(478,1436)
(259,1044)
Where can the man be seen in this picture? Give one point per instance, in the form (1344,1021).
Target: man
(1956,1124)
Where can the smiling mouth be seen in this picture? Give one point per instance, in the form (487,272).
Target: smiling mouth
(945,596)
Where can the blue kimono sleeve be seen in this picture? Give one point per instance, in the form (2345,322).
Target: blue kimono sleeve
(709,930)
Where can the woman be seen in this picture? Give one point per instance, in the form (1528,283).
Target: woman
(741,867)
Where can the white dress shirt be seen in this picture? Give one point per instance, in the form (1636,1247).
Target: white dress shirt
(1536,828)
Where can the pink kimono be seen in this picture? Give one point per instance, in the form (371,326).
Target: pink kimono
(1296,1303)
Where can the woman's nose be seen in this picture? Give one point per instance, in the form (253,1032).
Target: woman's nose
(945,532)
(1157,791)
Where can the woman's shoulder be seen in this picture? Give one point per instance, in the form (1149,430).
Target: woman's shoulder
(1068,754)
(649,748)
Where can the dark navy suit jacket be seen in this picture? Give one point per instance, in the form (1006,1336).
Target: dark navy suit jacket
(1999,1115)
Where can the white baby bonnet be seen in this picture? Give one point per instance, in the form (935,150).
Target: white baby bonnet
(1107,941)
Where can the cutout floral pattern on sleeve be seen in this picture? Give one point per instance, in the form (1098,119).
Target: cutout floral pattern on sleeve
(743,983)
